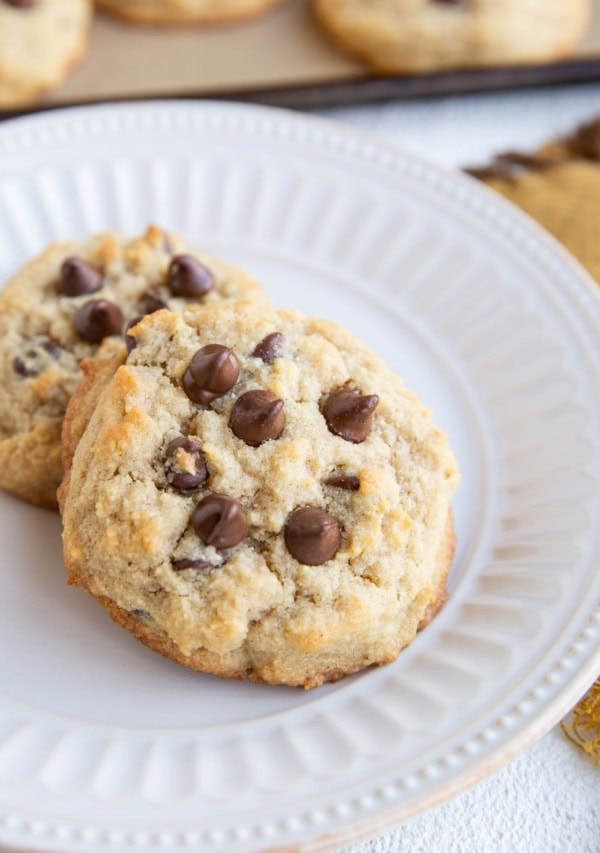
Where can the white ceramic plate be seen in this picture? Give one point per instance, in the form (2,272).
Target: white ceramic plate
(104,745)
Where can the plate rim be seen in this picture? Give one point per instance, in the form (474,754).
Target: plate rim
(531,731)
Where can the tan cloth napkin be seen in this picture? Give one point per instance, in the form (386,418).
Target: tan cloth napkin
(559,185)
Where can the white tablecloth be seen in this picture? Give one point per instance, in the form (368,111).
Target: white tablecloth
(548,799)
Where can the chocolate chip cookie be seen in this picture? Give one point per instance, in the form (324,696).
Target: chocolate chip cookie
(40,40)
(185,11)
(428,35)
(255,494)
(75,301)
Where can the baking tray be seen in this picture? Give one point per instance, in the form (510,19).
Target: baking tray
(281,59)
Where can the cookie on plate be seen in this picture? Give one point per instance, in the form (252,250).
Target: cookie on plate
(255,494)
(185,11)
(74,301)
(427,35)
(40,41)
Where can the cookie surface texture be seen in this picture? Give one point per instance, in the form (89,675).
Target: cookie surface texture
(73,302)
(428,35)
(40,41)
(185,11)
(291,527)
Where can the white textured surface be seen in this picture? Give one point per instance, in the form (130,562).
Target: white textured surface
(466,130)
(546,801)
(548,798)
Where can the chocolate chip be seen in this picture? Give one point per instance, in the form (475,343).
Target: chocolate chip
(269,348)
(344,481)
(77,277)
(154,299)
(98,319)
(21,367)
(349,413)
(257,416)
(35,360)
(177,476)
(312,536)
(52,348)
(180,565)
(211,373)
(219,521)
(130,341)
(188,277)
(21,4)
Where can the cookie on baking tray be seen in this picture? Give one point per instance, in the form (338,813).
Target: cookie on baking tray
(40,41)
(427,35)
(74,301)
(255,494)
(185,11)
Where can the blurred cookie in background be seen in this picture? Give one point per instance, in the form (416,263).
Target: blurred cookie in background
(40,41)
(429,35)
(185,11)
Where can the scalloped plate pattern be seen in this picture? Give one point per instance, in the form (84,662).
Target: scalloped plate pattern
(105,746)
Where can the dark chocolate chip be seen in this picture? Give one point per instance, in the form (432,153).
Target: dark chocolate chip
(177,476)
(188,277)
(35,360)
(130,341)
(154,299)
(344,481)
(257,416)
(219,521)
(349,413)
(52,348)
(212,372)
(98,319)
(77,278)
(269,348)
(312,536)
(21,368)
(21,4)
(180,565)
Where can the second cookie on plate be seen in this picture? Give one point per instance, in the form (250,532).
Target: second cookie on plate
(255,494)
(74,301)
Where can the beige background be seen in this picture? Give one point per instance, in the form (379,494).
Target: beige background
(282,48)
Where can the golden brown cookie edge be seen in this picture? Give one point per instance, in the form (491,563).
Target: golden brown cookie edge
(134,17)
(210,664)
